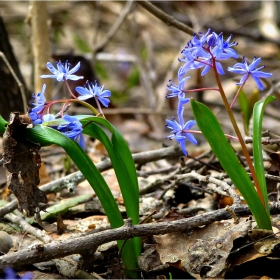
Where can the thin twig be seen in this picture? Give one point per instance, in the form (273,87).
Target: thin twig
(168,20)
(116,26)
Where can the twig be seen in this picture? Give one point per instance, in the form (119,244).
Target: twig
(70,181)
(20,85)
(168,20)
(116,26)
(83,244)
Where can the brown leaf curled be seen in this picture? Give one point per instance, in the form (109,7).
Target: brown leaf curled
(22,162)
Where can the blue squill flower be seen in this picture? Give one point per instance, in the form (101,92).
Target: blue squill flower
(223,49)
(180,131)
(196,46)
(63,72)
(39,100)
(250,70)
(72,129)
(176,90)
(96,91)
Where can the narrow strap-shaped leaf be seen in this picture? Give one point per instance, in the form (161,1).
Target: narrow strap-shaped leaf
(214,135)
(47,136)
(258,114)
(131,203)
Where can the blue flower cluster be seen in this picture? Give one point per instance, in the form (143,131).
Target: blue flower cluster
(205,51)
(72,128)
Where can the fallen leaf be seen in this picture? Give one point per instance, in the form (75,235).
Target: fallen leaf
(202,253)
(22,162)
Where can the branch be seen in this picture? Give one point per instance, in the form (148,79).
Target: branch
(115,27)
(80,245)
(168,20)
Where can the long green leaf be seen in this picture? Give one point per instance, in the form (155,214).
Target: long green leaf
(258,114)
(47,136)
(214,135)
(121,170)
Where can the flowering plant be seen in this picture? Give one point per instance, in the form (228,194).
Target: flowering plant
(67,131)
(207,51)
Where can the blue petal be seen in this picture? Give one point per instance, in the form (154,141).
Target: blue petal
(191,138)
(52,68)
(74,69)
(258,82)
(84,91)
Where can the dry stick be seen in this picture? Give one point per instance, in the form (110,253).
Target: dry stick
(70,181)
(168,20)
(116,26)
(83,244)
(20,85)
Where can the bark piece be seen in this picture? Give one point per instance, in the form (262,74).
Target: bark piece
(22,162)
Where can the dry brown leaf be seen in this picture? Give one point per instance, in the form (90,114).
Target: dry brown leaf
(22,162)
(202,253)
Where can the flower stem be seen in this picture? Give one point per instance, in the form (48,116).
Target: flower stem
(199,132)
(236,95)
(68,87)
(238,133)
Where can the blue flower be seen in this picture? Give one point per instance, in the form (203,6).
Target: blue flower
(250,70)
(73,129)
(176,90)
(63,72)
(196,46)
(223,49)
(11,274)
(39,100)
(39,103)
(96,91)
(179,131)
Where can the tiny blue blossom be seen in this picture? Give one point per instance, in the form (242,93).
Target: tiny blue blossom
(11,274)
(196,46)
(39,100)
(94,90)
(73,129)
(250,70)
(176,90)
(179,131)
(223,49)
(63,72)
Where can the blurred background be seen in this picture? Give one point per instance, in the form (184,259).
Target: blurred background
(136,60)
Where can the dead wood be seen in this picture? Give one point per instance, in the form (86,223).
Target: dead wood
(84,244)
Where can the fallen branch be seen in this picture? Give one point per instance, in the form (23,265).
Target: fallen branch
(87,243)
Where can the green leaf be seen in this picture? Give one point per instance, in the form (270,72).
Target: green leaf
(46,136)
(3,125)
(258,114)
(214,135)
(123,165)
(246,106)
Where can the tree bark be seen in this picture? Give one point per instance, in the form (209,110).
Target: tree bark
(10,94)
